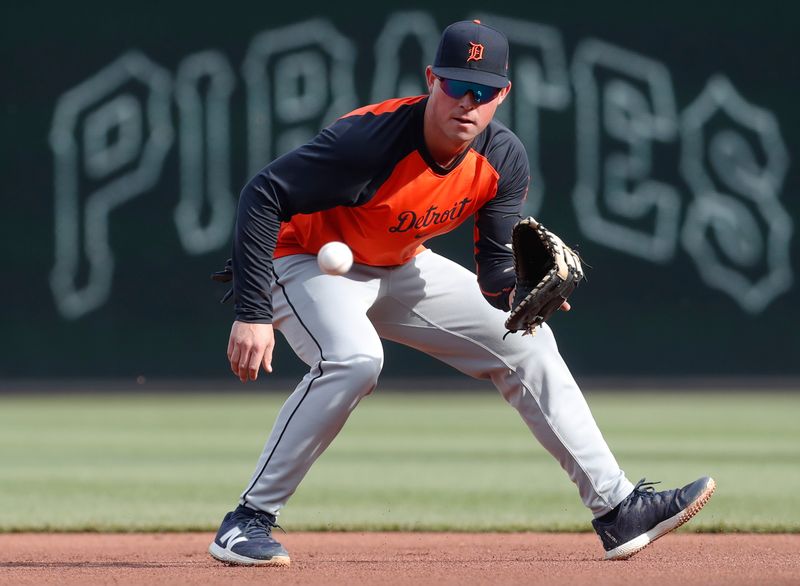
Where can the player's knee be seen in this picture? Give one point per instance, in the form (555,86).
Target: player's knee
(364,371)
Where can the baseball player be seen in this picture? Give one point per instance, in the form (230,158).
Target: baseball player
(384,179)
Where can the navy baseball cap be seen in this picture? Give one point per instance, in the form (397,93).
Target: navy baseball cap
(473,52)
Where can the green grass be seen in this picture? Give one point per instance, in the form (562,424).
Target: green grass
(416,462)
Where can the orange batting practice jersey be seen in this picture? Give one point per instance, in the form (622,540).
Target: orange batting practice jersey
(368,180)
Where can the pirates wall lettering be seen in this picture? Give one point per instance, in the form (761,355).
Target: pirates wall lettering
(111,134)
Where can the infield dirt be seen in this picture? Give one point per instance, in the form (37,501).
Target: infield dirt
(402,558)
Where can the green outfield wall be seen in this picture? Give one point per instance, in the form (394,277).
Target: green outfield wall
(663,141)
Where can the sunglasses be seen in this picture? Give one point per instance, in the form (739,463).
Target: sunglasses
(457,89)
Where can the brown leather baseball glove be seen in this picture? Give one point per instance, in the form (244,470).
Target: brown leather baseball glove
(547,273)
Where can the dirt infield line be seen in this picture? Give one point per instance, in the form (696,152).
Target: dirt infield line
(402,558)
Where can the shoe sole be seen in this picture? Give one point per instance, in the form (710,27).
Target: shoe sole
(228,557)
(637,544)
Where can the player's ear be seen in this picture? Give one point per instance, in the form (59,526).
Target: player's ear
(503,93)
(430,78)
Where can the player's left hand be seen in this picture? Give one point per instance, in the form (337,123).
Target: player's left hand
(547,271)
(564,306)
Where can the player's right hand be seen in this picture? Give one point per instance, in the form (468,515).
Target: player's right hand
(249,347)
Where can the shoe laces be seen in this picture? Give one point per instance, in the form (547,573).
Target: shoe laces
(644,488)
(261,526)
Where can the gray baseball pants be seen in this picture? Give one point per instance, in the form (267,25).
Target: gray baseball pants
(335,325)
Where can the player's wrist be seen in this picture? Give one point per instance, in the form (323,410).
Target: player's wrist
(245,319)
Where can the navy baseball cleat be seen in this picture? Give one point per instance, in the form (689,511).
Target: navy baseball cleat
(645,515)
(245,538)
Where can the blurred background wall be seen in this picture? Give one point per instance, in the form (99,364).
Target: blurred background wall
(663,141)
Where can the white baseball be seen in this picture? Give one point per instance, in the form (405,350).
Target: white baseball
(335,258)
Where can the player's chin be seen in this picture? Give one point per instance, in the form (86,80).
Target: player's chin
(464,132)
